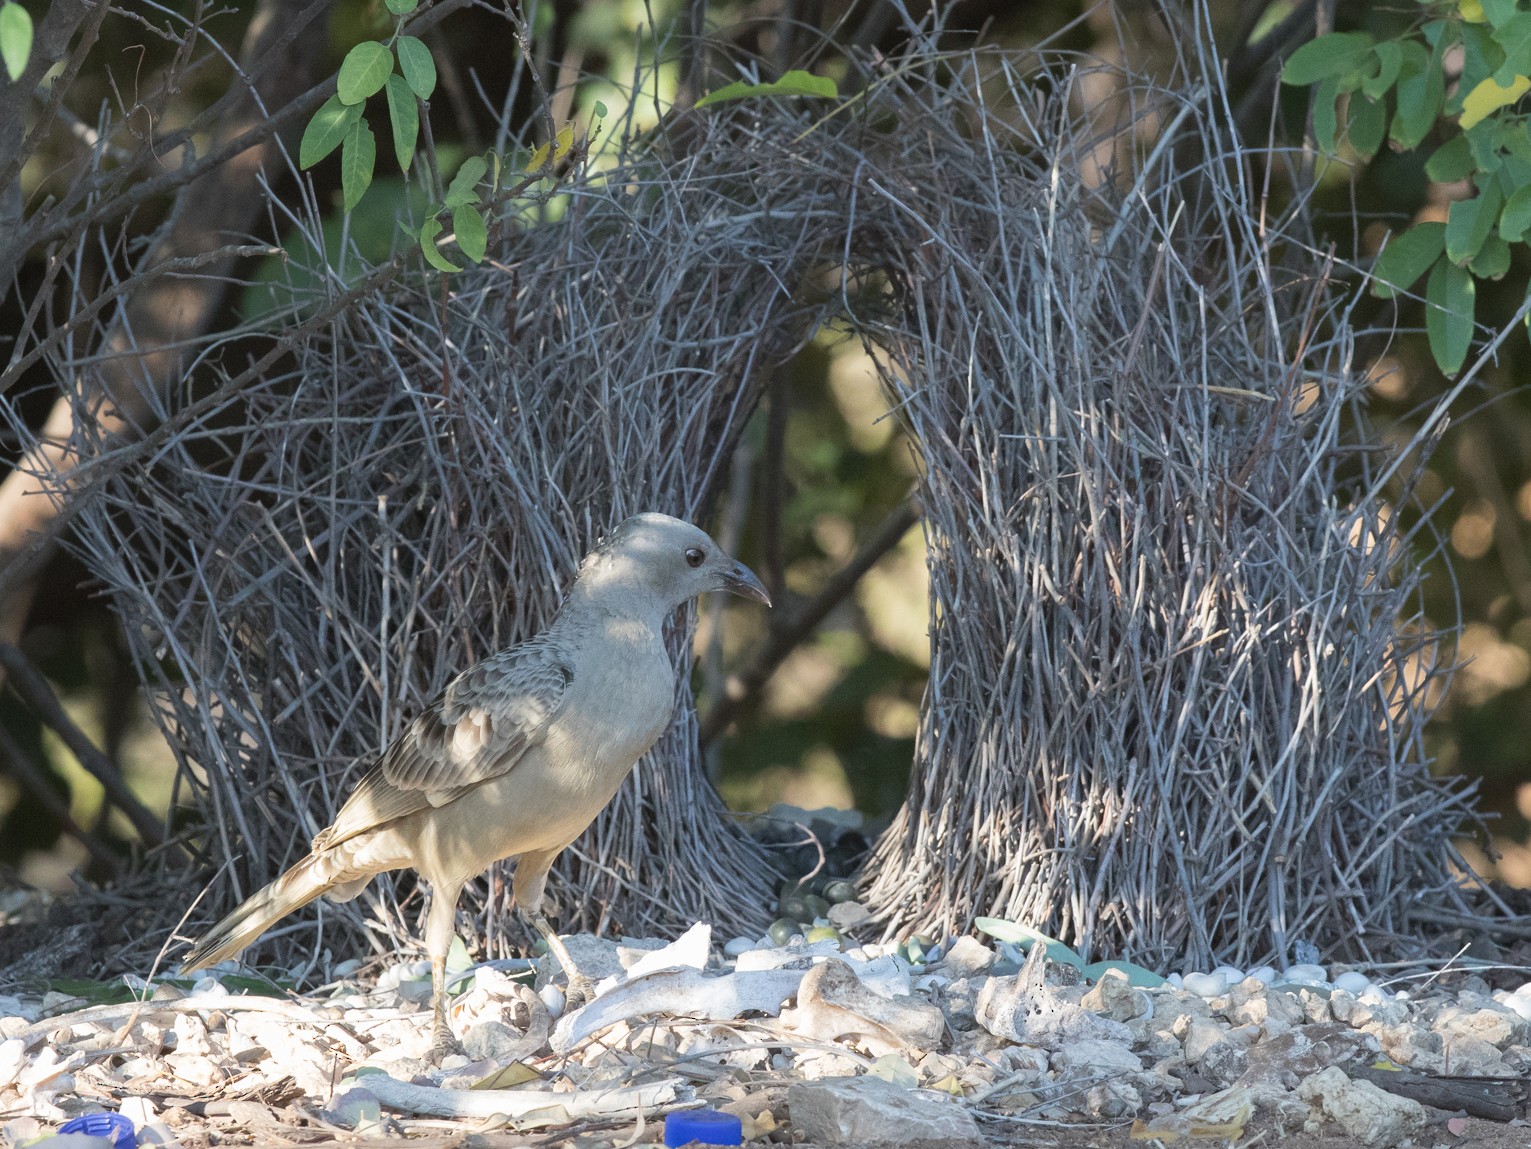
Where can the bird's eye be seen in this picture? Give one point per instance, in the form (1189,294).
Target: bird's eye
(695,556)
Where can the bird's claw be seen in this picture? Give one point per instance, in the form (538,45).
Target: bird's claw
(443,1045)
(581,992)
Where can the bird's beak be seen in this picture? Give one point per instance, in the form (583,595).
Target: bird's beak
(742,582)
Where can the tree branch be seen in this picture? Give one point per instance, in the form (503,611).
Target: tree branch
(744,689)
(39,697)
(21,768)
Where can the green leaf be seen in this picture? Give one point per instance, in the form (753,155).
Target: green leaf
(404,115)
(1514,37)
(1390,61)
(600,110)
(1406,257)
(1325,115)
(357,159)
(1516,218)
(1450,162)
(402,7)
(793,83)
(1492,260)
(326,130)
(472,234)
(428,233)
(1366,124)
(1498,11)
(1451,296)
(463,189)
(1469,221)
(416,64)
(1332,55)
(363,72)
(1136,975)
(1419,103)
(15,39)
(1481,58)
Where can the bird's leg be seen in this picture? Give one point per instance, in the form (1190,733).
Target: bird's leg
(528,885)
(439,928)
(581,989)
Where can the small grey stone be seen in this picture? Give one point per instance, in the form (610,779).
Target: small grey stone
(1474,1057)
(1200,1037)
(1225,1062)
(1342,1005)
(959,1001)
(870,1111)
(1113,1100)
(1315,1006)
(848,915)
(1113,997)
(596,958)
(1283,1060)
(967,957)
(736,946)
(492,1041)
(1097,1056)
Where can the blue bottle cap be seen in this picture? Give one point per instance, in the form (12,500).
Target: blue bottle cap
(709,1126)
(112,1125)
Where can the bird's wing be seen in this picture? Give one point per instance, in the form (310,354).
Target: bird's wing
(478,728)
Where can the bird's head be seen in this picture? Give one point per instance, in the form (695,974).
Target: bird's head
(666,560)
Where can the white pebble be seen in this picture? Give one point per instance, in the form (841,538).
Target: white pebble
(1232,974)
(346,968)
(1263,974)
(736,946)
(1372,994)
(1307,973)
(1519,1004)
(1352,982)
(1205,984)
(553,998)
(1176,980)
(1523,990)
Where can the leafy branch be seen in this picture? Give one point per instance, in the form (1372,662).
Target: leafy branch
(1396,90)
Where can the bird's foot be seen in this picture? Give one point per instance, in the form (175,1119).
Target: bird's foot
(443,1045)
(581,992)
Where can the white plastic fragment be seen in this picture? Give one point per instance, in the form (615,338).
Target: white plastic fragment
(687,992)
(13,1055)
(776,957)
(515,1103)
(689,951)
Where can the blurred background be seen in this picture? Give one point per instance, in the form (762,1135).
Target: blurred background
(825,471)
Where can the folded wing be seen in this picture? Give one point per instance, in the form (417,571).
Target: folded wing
(478,728)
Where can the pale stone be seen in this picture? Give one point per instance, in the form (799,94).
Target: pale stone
(1097,1056)
(1372,1116)
(869,1111)
(1499,1027)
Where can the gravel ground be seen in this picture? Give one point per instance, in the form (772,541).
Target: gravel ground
(808,1044)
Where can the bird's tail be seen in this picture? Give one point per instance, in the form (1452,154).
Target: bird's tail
(260,911)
